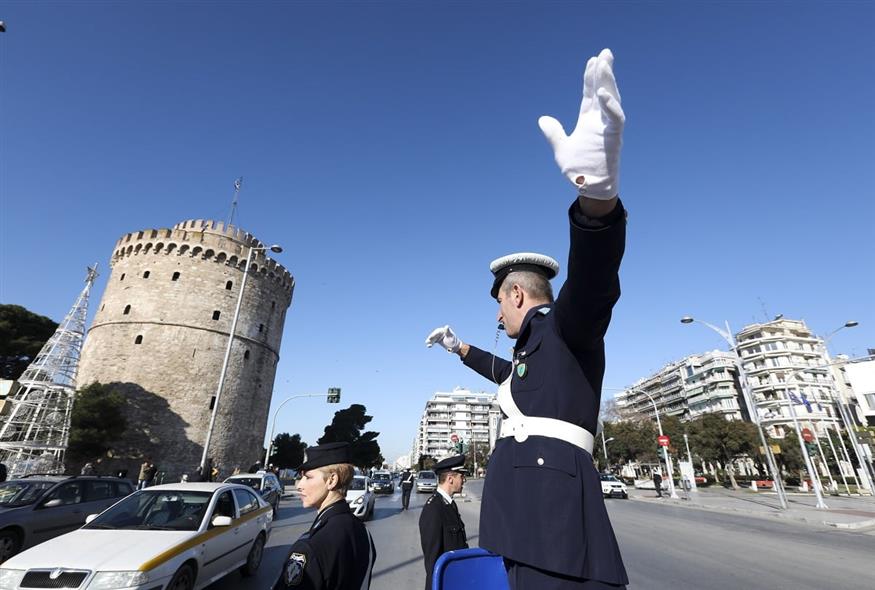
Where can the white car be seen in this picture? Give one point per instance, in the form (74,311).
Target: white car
(426,481)
(613,487)
(181,536)
(360,497)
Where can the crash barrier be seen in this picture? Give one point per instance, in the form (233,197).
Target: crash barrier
(469,569)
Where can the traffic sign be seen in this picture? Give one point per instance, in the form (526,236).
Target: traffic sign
(662,440)
(807,436)
(454,437)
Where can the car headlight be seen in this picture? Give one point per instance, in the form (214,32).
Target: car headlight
(113,580)
(359,500)
(10,578)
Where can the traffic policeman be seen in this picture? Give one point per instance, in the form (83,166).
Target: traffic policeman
(337,553)
(406,487)
(542,507)
(440,526)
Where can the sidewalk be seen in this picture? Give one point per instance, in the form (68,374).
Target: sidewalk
(842,512)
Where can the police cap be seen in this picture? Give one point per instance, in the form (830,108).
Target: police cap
(521,261)
(325,454)
(456,463)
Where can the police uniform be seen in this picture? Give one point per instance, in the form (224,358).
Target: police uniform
(542,506)
(406,487)
(337,553)
(440,526)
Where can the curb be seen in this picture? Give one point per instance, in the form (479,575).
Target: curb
(852,525)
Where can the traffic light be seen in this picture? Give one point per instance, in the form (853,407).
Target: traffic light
(333,395)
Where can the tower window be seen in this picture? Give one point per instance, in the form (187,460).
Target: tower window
(212,402)
(246,355)
(127,310)
(260,328)
(146,275)
(216,314)
(272,305)
(175,277)
(121,278)
(102,306)
(228,285)
(138,339)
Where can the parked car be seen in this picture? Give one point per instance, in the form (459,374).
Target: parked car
(426,481)
(37,508)
(382,483)
(360,497)
(178,536)
(265,483)
(613,487)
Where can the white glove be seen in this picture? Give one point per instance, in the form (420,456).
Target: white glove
(590,156)
(446,338)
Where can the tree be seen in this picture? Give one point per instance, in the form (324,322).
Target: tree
(713,438)
(346,427)
(97,419)
(634,440)
(288,451)
(22,335)
(790,456)
(425,462)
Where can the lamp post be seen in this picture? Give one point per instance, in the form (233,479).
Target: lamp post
(668,465)
(333,397)
(605,449)
(252,249)
(751,406)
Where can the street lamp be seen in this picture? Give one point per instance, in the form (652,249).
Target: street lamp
(277,249)
(605,448)
(668,465)
(751,406)
(332,397)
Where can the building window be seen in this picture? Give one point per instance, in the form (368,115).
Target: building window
(102,306)
(260,328)
(212,402)
(175,277)
(127,310)
(121,278)
(246,355)
(146,275)
(138,339)
(228,285)
(216,314)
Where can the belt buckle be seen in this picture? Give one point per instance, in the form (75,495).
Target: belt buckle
(519,432)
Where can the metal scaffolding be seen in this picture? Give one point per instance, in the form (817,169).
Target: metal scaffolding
(35,431)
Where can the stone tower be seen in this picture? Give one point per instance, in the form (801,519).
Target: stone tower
(160,335)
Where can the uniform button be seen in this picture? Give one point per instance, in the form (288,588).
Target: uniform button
(540,461)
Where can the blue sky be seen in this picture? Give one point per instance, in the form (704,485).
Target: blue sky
(393,150)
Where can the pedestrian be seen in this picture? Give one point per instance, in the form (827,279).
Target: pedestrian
(255,467)
(440,526)
(87,469)
(214,473)
(150,475)
(406,487)
(337,553)
(657,483)
(542,507)
(143,477)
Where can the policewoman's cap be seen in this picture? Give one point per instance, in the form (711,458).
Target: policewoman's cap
(456,463)
(326,454)
(521,261)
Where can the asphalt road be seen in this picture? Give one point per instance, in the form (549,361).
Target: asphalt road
(664,547)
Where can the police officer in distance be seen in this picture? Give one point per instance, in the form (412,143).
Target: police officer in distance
(541,486)
(406,487)
(440,526)
(337,553)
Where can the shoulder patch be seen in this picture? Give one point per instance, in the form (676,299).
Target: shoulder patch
(294,570)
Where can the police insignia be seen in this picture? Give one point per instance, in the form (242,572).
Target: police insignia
(295,569)
(521,370)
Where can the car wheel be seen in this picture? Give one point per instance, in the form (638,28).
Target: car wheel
(183,579)
(10,544)
(253,560)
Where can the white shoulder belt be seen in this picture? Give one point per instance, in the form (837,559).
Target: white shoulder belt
(521,427)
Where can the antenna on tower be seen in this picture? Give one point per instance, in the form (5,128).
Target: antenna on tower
(766,316)
(237,184)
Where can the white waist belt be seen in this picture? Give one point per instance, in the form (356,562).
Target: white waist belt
(522,427)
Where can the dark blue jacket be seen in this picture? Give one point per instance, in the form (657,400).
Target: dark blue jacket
(542,501)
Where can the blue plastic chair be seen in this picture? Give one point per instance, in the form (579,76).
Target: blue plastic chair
(474,569)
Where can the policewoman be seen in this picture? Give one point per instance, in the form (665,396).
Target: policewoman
(440,526)
(542,507)
(337,553)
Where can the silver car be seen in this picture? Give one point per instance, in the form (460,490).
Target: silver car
(37,508)
(426,481)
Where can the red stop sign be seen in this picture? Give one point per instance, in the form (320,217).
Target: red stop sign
(807,435)
(662,440)
(454,437)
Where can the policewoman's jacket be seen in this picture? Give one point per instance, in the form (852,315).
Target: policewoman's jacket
(542,502)
(337,553)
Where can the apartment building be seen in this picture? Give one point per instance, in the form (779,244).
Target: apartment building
(470,416)
(695,385)
(857,379)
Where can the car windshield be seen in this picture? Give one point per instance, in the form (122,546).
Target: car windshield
(608,477)
(426,475)
(22,492)
(358,483)
(381,477)
(252,482)
(169,510)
